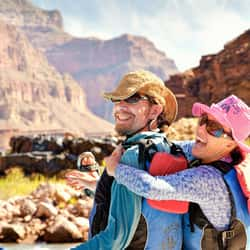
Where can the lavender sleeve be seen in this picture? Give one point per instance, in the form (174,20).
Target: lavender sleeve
(190,185)
(203,185)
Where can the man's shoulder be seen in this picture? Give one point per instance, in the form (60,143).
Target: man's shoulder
(147,139)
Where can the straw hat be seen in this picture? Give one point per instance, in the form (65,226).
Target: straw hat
(147,83)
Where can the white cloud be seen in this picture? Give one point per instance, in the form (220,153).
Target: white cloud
(184,29)
(77,28)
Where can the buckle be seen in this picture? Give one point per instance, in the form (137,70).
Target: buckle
(228,234)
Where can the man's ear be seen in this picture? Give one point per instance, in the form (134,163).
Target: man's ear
(155,111)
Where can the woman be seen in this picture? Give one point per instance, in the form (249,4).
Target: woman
(212,186)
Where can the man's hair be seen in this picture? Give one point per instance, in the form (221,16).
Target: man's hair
(154,93)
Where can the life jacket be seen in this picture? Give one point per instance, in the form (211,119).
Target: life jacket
(199,233)
(156,229)
(164,229)
(168,163)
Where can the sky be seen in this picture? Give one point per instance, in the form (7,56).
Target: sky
(184,29)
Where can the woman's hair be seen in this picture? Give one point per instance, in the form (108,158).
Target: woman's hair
(236,156)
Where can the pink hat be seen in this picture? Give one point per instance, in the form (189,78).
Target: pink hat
(231,112)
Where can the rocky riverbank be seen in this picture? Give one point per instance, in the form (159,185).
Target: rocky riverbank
(50,155)
(52,213)
(56,213)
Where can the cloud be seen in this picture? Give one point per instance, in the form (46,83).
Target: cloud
(184,29)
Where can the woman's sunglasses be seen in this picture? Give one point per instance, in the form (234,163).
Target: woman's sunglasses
(132,99)
(213,127)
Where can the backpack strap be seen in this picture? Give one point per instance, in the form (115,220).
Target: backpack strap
(147,148)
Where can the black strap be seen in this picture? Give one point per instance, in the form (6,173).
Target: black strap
(147,148)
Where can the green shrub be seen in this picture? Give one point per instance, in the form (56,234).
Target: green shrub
(15,183)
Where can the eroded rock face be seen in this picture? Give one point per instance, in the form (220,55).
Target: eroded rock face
(96,64)
(52,221)
(218,75)
(34,96)
(26,14)
(44,28)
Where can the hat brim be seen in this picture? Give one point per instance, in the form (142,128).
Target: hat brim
(171,106)
(116,95)
(170,99)
(198,109)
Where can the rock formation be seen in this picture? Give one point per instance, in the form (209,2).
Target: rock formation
(34,96)
(96,64)
(54,213)
(217,76)
(43,28)
(51,155)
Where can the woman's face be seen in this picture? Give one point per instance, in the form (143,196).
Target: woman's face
(213,140)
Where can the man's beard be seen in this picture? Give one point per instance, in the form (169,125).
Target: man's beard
(123,131)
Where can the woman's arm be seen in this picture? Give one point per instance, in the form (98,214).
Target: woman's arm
(194,185)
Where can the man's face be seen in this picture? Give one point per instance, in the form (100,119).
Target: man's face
(131,117)
(212,143)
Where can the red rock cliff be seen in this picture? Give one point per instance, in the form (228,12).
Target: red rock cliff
(217,76)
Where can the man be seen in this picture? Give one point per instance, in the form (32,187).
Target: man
(143,107)
(218,216)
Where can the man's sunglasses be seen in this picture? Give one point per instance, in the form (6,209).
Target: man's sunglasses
(132,99)
(213,127)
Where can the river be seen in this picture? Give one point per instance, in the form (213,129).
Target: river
(40,246)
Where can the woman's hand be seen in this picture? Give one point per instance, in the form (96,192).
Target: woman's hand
(112,161)
(80,180)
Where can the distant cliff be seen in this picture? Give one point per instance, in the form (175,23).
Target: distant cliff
(33,95)
(217,76)
(96,64)
(43,28)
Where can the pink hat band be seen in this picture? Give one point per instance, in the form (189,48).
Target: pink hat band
(231,112)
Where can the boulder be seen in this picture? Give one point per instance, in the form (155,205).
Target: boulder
(62,230)
(27,208)
(11,232)
(46,210)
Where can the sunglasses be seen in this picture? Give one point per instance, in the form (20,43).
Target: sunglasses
(213,127)
(132,99)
